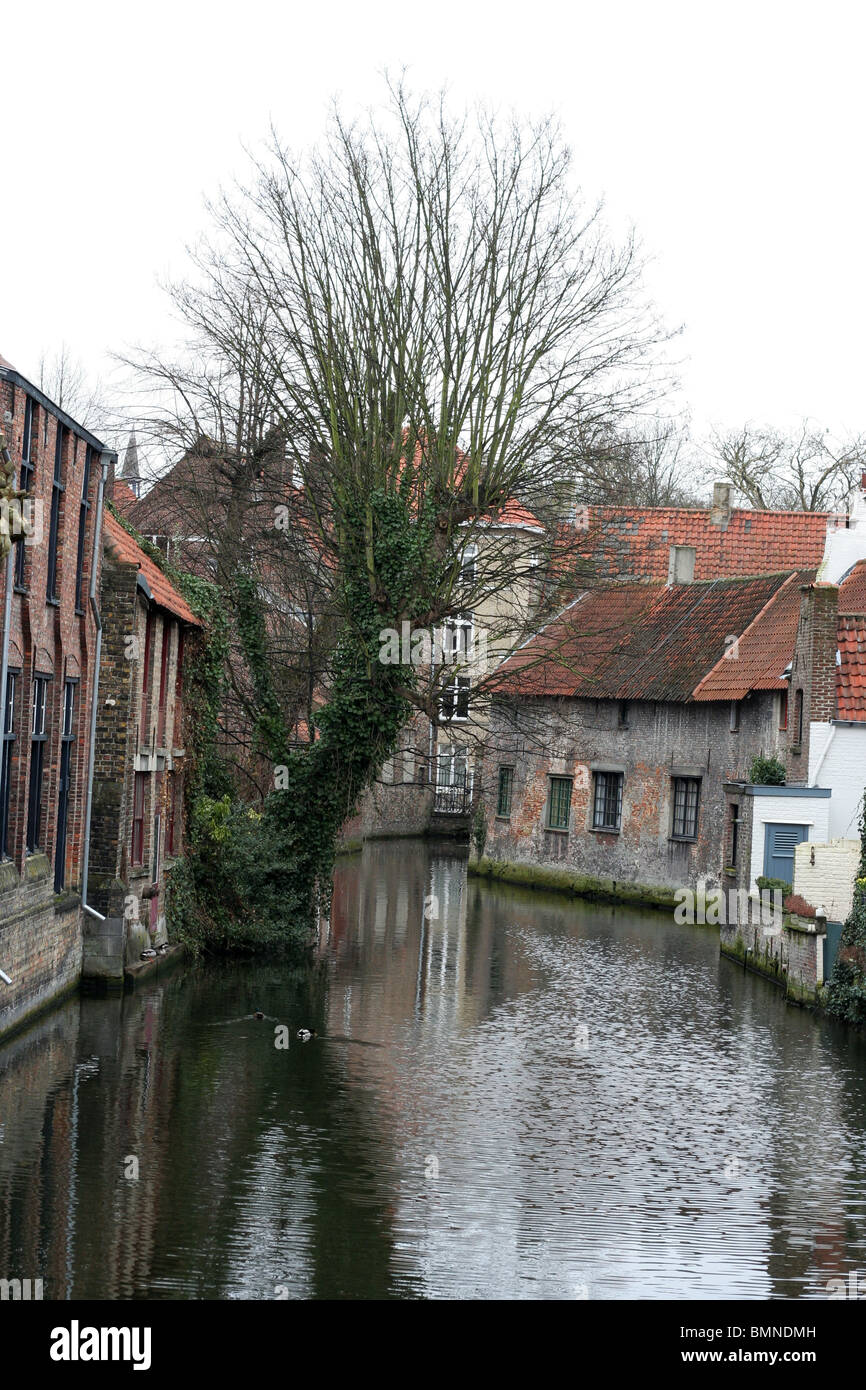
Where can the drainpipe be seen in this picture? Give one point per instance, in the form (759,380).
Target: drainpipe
(4,660)
(94,608)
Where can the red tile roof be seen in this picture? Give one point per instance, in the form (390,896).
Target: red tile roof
(636,541)
(125,549)
(851,673)
(852,590)
(122,496)
(764,649)
(637,641)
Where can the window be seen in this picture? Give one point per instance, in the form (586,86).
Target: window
(83,510)
(177,729)
(56,492)
(146,681)
(607,805)
(138,818)
(25,481)
(6,767)
(559,803)
(503,800)
(734,835)
(455,699)
(66,740)
(798,717)
(172,838)
(622,715)
(163,682)
(734,722)
(457,638)
(783,709)
(686,794)
(469,564)
(38,740)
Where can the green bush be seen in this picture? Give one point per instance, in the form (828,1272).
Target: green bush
(767,772)
(771,884)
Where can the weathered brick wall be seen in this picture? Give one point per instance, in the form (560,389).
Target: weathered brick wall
(813,672)
(792,955)
(40,942)
(115,727)
(824,875)
(574,738)
(40,939)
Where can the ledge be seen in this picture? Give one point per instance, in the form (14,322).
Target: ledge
(36,866)
(577,885)
(9,876)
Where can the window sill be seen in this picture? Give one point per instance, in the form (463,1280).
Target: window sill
(21,589)
(605,830)
(52,602)
(683,839)
(498,817)
(558,830)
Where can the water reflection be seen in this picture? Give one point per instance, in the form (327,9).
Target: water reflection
(563,1100)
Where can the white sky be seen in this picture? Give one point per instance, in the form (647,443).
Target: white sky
(730,134)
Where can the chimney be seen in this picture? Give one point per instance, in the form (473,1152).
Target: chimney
(681,564)
(720,512)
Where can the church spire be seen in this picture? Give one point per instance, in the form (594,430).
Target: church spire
(131,472)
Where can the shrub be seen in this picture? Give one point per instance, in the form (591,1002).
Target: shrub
(773,884)
(767,772)
(794,903)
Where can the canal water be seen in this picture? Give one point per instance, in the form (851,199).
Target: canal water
(510,1095)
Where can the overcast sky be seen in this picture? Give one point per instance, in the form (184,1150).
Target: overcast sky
(730,134)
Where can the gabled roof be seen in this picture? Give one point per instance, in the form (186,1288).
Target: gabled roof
(637,641)
(122,496)
(125,549)
(764,649)
(635,541)
(851,671)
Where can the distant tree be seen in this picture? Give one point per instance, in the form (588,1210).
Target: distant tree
(630,464)
(807,471)
(64,379)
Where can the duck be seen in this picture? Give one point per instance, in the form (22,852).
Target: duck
(305,1034)
(258,1014)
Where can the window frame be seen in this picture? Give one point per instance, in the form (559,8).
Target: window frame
(83,513)
(36,777)
(137,837)
(605,780)
(455,696)
(58,487)
(505,791)
(683,835)
(25,480)
(554,799)
(9,740)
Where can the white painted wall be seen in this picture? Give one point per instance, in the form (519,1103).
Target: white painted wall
(839,762)
(786,810)
(845,545)
(829,882)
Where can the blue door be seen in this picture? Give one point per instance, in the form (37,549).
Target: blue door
(780,841)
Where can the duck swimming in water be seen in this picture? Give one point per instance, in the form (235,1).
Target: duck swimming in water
(305,1034)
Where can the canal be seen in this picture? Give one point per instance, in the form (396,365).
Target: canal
(510,1095)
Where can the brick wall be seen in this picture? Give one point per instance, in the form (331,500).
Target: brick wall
(40,932)
(578,738)
(813,675)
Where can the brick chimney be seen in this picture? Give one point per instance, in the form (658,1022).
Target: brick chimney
(720,511)
(813,674)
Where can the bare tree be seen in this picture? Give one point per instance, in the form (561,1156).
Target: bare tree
(427,314)
(807,471)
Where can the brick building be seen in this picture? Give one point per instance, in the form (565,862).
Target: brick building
(137,814)
(49,605)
